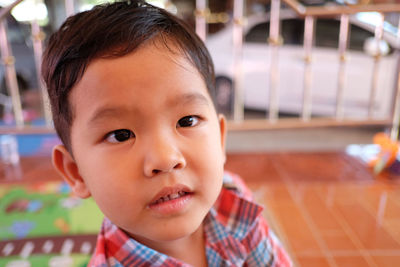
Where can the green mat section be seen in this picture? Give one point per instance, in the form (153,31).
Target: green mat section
(46,209)
(51,260)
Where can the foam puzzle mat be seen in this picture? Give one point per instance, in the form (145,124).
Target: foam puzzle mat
(43,224)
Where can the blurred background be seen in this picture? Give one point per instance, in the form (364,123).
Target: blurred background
(310,64)
(311,90)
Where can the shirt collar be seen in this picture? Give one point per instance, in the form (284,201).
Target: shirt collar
(228,222)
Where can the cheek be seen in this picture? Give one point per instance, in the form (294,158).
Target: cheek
(105,176)
(102,164)
(209,162)
(206,151)
(112,198)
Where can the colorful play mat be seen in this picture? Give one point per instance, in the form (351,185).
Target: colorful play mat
(43,224)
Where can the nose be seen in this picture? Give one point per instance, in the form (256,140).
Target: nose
(162,156)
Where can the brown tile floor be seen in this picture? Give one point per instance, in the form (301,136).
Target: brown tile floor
(328,209)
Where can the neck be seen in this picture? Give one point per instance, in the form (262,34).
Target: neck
(189,249)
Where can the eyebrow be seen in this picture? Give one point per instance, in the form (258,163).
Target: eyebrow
(190,98)
(108,112)
(119,111)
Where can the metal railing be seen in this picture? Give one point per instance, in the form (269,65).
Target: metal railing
(9,61)
(11,75)
(311,14)
(344,12)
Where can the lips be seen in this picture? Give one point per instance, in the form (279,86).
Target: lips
(170,193)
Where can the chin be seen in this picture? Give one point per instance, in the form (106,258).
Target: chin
(178,231)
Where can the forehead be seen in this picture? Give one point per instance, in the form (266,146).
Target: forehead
(150,75)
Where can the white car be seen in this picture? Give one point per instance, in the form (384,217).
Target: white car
(325,66)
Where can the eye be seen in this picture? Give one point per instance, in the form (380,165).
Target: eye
(188,121)
(119,136)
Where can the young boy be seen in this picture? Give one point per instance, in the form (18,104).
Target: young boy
(131,90)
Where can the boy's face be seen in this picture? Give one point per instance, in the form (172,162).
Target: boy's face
(144,132)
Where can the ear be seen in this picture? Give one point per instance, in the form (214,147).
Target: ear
(66,166)
(223,131)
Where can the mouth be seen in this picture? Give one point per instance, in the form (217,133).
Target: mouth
(170,195)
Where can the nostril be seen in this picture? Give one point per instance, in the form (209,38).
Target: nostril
(178,166)
(155,171)
(156,165)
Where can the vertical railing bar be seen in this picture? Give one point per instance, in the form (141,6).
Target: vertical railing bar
(38,36)
(274,22)
(374,82)
(11,76)
(69,7)
(201,18)
(274,42)
(238,11)
(307,86)
(6,10)
(343,41)
(394,133)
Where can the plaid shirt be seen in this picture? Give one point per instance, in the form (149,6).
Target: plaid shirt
(236,234)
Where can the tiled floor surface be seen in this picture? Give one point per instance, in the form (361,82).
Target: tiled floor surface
(328,209)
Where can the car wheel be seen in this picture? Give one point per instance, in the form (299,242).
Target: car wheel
(224,95)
